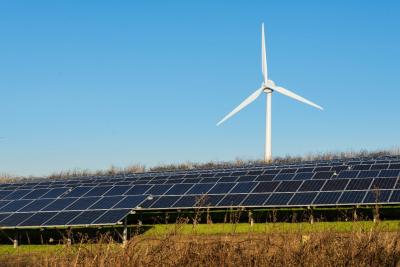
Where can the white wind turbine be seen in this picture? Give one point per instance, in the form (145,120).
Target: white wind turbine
(268,87)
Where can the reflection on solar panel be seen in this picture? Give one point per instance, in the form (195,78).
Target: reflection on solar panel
(106,200)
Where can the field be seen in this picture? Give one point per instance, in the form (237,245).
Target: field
(278,244)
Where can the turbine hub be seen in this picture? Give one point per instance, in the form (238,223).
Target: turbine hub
(268,86)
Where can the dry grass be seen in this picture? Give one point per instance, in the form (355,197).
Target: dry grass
(358,248)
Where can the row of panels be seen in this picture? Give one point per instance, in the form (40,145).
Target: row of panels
(65,218)
(203,188)
(102,217)
(139,193)
(71,203)
(242,178)
(280,169)
(274,199)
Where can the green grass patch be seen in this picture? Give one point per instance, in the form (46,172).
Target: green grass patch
(24,249)
(226,228)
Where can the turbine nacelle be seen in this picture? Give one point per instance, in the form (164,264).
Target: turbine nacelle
(268,87)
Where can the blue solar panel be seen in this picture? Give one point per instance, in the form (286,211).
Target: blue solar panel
(231,200)
(279,199)
(62,218)
(97,191)
(288,186)
(129,202)
(383,183)
(15,205)
(36,193)
(221,188)
(304,176)
(118,190)
(138,190)
(377,196)
(263,187)
(165,202)
(18,194)
(200,189)
(244,187)
(179,189)
(352,197)
(15,219)
(59,204)
(112,216)
(79,191)
(395,197)
(4,193)
(38,219)
(159,189)
(187,201)
(36,205)
(106,202)
(303,198)
(82,203)
(312,185)
(55,192)
(284,176)
(335,185)
(327,198)
(86,217)
(255,199)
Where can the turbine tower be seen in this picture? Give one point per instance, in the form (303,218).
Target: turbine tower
(268,87)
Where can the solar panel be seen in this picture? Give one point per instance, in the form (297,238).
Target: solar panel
(327,198)
(38,219)
(86,217)
(106,200)
(278,199)
(111,216)
(377,196)
(186,201)
(383,183)
(221,188)
(312,185)
(15,205)
(303,198)
(335,185)
(179,189)
(245,187)
(255,199)
(200,189)
(263,187)
(62,218)
(231,200)
(352,197)
(15,219)
(82,203)
(359,184)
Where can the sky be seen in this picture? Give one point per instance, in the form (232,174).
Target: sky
(90,84)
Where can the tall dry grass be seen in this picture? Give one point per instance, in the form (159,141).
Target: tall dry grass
(358,248)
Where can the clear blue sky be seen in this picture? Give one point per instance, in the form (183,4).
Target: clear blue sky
(88,84)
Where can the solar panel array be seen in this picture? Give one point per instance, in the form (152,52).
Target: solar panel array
(106,200)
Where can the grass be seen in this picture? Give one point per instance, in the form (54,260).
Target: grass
(303,227)
(27,249)
(320,244)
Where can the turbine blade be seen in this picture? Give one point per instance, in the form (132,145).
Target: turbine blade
(290,94)
(247,101)
(263,56)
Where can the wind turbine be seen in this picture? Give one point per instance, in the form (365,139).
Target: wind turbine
(268,87)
